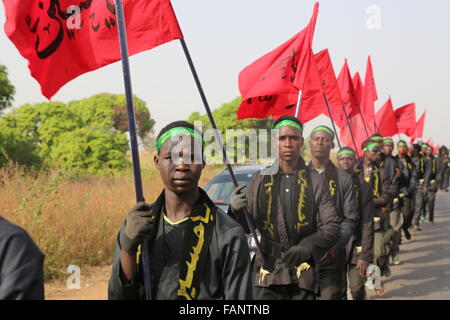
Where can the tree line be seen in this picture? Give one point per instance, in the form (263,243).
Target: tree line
(88,135)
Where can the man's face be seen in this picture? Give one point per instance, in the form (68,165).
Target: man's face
(320,145)
(388,148)
(429,151)
(289,143)
(180,164)
(346,162)
(374,155)
(403,150)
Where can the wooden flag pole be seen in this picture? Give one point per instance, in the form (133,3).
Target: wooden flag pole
(219,140)
(132,129)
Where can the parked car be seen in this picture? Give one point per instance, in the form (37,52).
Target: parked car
(220,187)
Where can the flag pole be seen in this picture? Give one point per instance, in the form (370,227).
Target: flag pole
(364,121)
(219,140)
(132,129)
(350,130)
(299,101)
(331,118)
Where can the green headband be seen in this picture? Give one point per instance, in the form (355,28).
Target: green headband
(324,129)
(425,145)
(371,146)
(289,123)
(346,151)
(402,143)
(376,138)
(388,140)
(177,132)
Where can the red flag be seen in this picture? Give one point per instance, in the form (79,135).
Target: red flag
(386,121)
(359,133)
(348,93)
(436,149)
(369,96)
(350,99)
(58,48)
(358,85)
(418,133)
(330,87)
(406,119)
(270,85)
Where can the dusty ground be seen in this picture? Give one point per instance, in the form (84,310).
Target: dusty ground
(93,286)
(423,274)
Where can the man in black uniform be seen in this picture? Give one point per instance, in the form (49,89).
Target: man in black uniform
(423,178)
(368,167)
(21,265)
(443,168)
(332,280)
(408,182)
(362,246)
(433,185)
(195,250)
(297,228)
(393,170)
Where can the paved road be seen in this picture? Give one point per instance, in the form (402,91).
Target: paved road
(424,273)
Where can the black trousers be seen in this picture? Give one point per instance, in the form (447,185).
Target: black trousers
(332,277)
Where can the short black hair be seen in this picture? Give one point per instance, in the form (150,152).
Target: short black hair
(443,149)
(417,147)
(287,117)
(175,124)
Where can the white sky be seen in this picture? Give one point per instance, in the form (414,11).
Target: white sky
(409,52)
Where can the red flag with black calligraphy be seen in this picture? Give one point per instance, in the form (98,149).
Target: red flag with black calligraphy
(62,39)
(270,85)
(406,119)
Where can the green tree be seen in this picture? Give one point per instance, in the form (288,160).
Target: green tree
(108,110)
(91,150)
(7,90)
(225,118)
(42,123)
(17,149)
(87,135)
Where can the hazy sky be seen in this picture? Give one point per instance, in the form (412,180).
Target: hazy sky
(410,53)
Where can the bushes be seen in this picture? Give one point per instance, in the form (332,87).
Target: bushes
(74,220)
(86,135)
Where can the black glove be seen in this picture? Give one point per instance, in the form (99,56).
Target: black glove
(296,255)
(238,200)
(138,226)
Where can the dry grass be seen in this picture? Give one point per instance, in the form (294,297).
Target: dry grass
(74,221)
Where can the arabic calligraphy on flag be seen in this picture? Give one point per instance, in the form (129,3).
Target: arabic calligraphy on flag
(62,39)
